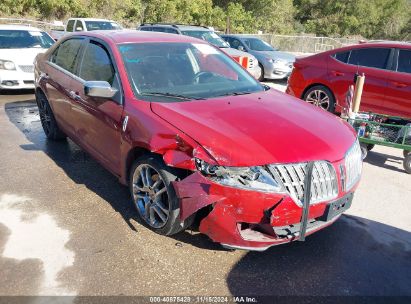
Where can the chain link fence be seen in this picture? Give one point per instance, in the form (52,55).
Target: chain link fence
(303,44)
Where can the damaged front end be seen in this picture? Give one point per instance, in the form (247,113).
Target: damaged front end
(257,207)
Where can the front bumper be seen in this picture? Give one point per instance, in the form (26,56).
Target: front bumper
(277,70)
(247,219)
(255,71)
(13,80)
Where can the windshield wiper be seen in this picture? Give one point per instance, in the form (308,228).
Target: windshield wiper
(170,95)
(237,93)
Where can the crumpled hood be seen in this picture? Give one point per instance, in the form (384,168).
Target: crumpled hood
(277,55)
(21,56)
(260,128)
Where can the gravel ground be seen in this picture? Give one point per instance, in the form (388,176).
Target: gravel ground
(67,228)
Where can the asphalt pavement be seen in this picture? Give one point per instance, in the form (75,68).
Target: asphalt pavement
(67,227)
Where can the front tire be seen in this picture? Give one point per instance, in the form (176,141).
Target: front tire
(153,195)
(321,97)
(47,119)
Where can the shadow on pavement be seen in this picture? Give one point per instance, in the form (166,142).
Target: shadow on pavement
(16,92)
(76,163)
(83,169)
(354,256)
(384,161)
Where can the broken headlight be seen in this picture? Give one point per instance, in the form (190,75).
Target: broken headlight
(257,178)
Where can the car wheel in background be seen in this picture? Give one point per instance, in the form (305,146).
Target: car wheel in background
(364,150)
(407,163)
(320,96)
(154,196)
(47,119)
(261,78)
(405,153)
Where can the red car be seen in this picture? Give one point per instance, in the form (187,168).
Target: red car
(323,79)
(189,130)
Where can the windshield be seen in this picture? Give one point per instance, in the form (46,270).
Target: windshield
(258,45)
(102,25)
(208,36)
(168,72)
(14,39)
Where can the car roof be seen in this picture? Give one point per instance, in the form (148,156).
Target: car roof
(384,44)
(183,27)
(133,36)
(92,19)
(19,28)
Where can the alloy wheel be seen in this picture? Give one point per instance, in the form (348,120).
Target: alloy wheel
(45,117)
(319,98)
(150,196)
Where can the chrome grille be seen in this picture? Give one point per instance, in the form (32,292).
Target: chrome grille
(27,68)
(353,166)
(324,185)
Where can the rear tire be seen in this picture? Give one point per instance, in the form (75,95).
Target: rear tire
(261,78)
(48,121)
(154,197)
(321,97)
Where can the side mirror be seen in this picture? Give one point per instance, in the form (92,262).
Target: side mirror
(99,89)
(241,48)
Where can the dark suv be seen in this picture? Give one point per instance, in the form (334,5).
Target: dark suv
(247,60)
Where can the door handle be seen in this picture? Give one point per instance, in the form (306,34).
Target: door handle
(338,73)
(75,95)
(399,84)
(44,76)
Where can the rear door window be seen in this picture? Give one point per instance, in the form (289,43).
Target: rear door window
(67,54)
(159,29)
(146,29)
(370,57)
(70,26)
(170,30)
(404,61)
(96,64)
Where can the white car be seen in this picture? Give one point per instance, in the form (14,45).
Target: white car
(91,24)
(19,45)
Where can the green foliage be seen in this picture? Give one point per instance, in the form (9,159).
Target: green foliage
(378,19)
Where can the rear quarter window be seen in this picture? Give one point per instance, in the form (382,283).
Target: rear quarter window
(342,56)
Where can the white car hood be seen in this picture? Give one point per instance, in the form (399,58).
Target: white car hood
(21,56)
(235,52)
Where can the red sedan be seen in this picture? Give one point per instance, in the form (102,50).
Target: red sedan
(189,130)
(323,79)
